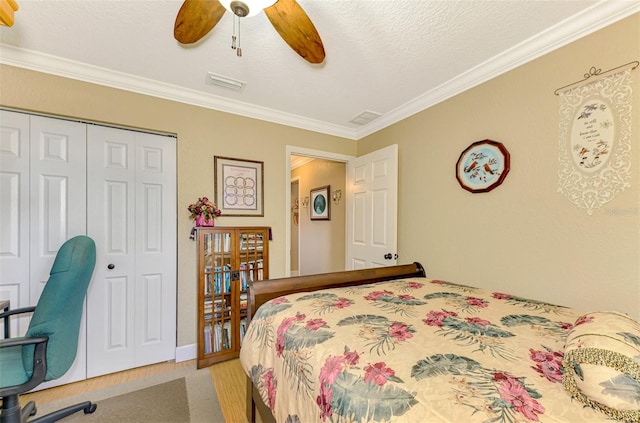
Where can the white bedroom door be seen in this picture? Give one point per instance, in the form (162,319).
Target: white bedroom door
(372,201)
(131,319)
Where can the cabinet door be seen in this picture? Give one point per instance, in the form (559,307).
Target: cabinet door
(217,309)
(251,259)
(131,303)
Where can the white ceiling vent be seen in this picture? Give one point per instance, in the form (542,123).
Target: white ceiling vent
(225,82)
(365,117)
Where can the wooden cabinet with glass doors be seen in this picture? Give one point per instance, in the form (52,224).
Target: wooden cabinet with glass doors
(228,259)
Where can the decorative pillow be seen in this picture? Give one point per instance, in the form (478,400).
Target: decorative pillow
(602,364)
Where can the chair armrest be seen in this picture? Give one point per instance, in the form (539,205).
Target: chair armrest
(17,311)
(5,315)
(39,363)
(15,342)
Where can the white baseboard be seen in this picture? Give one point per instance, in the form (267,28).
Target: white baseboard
(186,352)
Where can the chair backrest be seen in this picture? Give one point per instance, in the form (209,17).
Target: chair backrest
(59,309)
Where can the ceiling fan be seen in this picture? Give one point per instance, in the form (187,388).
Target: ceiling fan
(197,17)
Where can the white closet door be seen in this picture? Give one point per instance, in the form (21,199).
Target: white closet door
(14,213)
(58,209)
(131,304)
(156,249)
(43,197)
(58,192)
(110,300)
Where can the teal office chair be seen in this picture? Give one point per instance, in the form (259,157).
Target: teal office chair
(49,347)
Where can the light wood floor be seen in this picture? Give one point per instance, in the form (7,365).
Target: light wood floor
(228,378)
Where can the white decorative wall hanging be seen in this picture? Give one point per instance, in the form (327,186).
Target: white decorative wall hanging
(595,140)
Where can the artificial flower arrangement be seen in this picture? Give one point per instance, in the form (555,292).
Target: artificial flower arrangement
(204,211)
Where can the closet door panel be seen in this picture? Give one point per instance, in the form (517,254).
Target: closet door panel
(110,301)
(58,208)
(58,192)
(156,251)
(155,248)
(116,321)
(132,198)
(14,213)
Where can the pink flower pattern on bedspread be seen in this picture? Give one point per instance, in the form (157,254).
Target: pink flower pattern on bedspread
(412,350)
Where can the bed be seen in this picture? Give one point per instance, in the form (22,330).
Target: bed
(388,344)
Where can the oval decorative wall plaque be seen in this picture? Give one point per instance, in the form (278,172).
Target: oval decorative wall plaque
(482,166)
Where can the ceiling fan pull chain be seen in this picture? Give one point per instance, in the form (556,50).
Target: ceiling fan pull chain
(239,49)
(233,36)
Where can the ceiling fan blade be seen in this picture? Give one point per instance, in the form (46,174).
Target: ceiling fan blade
(196,18)
(295,27)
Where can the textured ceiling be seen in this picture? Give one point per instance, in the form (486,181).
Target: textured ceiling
(393,58)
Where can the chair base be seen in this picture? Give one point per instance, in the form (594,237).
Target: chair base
(87,406)
(11,412)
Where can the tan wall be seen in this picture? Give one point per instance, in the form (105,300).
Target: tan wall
(523,237)
(294,250)
(202,133)
(322,242)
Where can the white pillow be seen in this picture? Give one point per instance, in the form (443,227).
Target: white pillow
(602,364)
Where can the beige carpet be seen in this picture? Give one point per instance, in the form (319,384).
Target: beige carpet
(183,395)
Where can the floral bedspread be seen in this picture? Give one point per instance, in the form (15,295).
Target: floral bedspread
(412,350)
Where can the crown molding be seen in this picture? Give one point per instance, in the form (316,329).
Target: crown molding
(54,65)
(598,16)
(590,20)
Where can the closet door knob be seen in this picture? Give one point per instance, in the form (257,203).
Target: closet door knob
(111,266)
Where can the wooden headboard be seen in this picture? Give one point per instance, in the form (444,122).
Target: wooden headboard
(262,291)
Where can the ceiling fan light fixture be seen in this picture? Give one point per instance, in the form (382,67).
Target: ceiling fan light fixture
(246,8)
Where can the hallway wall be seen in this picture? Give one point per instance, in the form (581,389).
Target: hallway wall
(322,242)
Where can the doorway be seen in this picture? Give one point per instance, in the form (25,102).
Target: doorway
(321,238)
(318,228)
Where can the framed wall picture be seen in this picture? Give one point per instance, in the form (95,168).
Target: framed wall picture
(320,204)
(239,186)
(482,166)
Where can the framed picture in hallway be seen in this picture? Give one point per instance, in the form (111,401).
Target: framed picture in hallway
(238,186)
(320,204)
